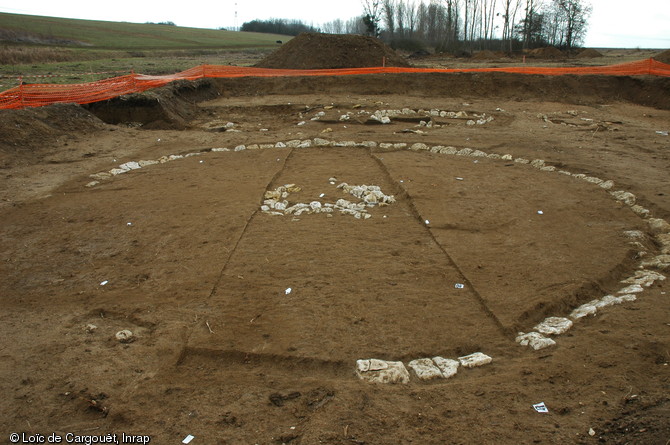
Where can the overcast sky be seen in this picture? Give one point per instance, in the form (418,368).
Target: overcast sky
(613,24)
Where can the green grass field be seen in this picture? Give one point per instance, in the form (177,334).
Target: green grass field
(133,36)
(72,49)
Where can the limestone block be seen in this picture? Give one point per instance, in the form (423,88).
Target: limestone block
(535,340)
(381,371)
(425,369)
(554,326)
(475,360)
(447,366)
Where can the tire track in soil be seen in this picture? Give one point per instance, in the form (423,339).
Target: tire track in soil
(380,287)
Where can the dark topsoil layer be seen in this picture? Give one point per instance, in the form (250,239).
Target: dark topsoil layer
(327,51)
(172,106)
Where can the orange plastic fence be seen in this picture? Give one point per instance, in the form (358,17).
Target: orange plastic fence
(36,95)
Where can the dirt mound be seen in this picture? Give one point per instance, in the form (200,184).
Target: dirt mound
(320,51)
(547,53)
(31,131)
(589,53)
(484,55)
(663,57)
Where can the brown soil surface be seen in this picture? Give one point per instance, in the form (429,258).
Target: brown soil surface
(589,53)
(316,51)
(484,55)
(547,53)
(663,57)
(199,274)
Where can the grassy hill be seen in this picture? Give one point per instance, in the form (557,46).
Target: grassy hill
(52,31)
(73,50)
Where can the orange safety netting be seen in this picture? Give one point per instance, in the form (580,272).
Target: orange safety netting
(36,95)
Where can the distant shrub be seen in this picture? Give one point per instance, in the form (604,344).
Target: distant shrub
(278,26)
(408,44)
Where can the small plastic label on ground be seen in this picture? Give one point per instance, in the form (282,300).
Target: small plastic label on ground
(541,407)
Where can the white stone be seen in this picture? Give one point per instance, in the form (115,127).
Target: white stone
(92,183)
(464,152)
(634,234)
(381,371)
(280,145)
(474,360)
(593,180)
(554,326)
(632,289)
(644,278)
(607,185)
(151,162)
(319,142)
(626,197)
(117,171)
(607,300)
(240,147)
(583,311)
(425,369)
(658,225)
(125,336)
(535,340)
(418,146)
(447,366)
(627,297)
(130,166)
(658,262)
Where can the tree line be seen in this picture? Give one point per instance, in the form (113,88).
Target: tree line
(278,26)
(505,25)
(457,25)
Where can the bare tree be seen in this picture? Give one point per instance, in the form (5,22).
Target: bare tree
(400,17)
(575,17)
(389,16)
(510,9)
(372,16)
(411,18)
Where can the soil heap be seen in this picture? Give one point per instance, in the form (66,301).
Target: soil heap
(484,55)
(663,57)
(589,53)
(323,51)
(547,53)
